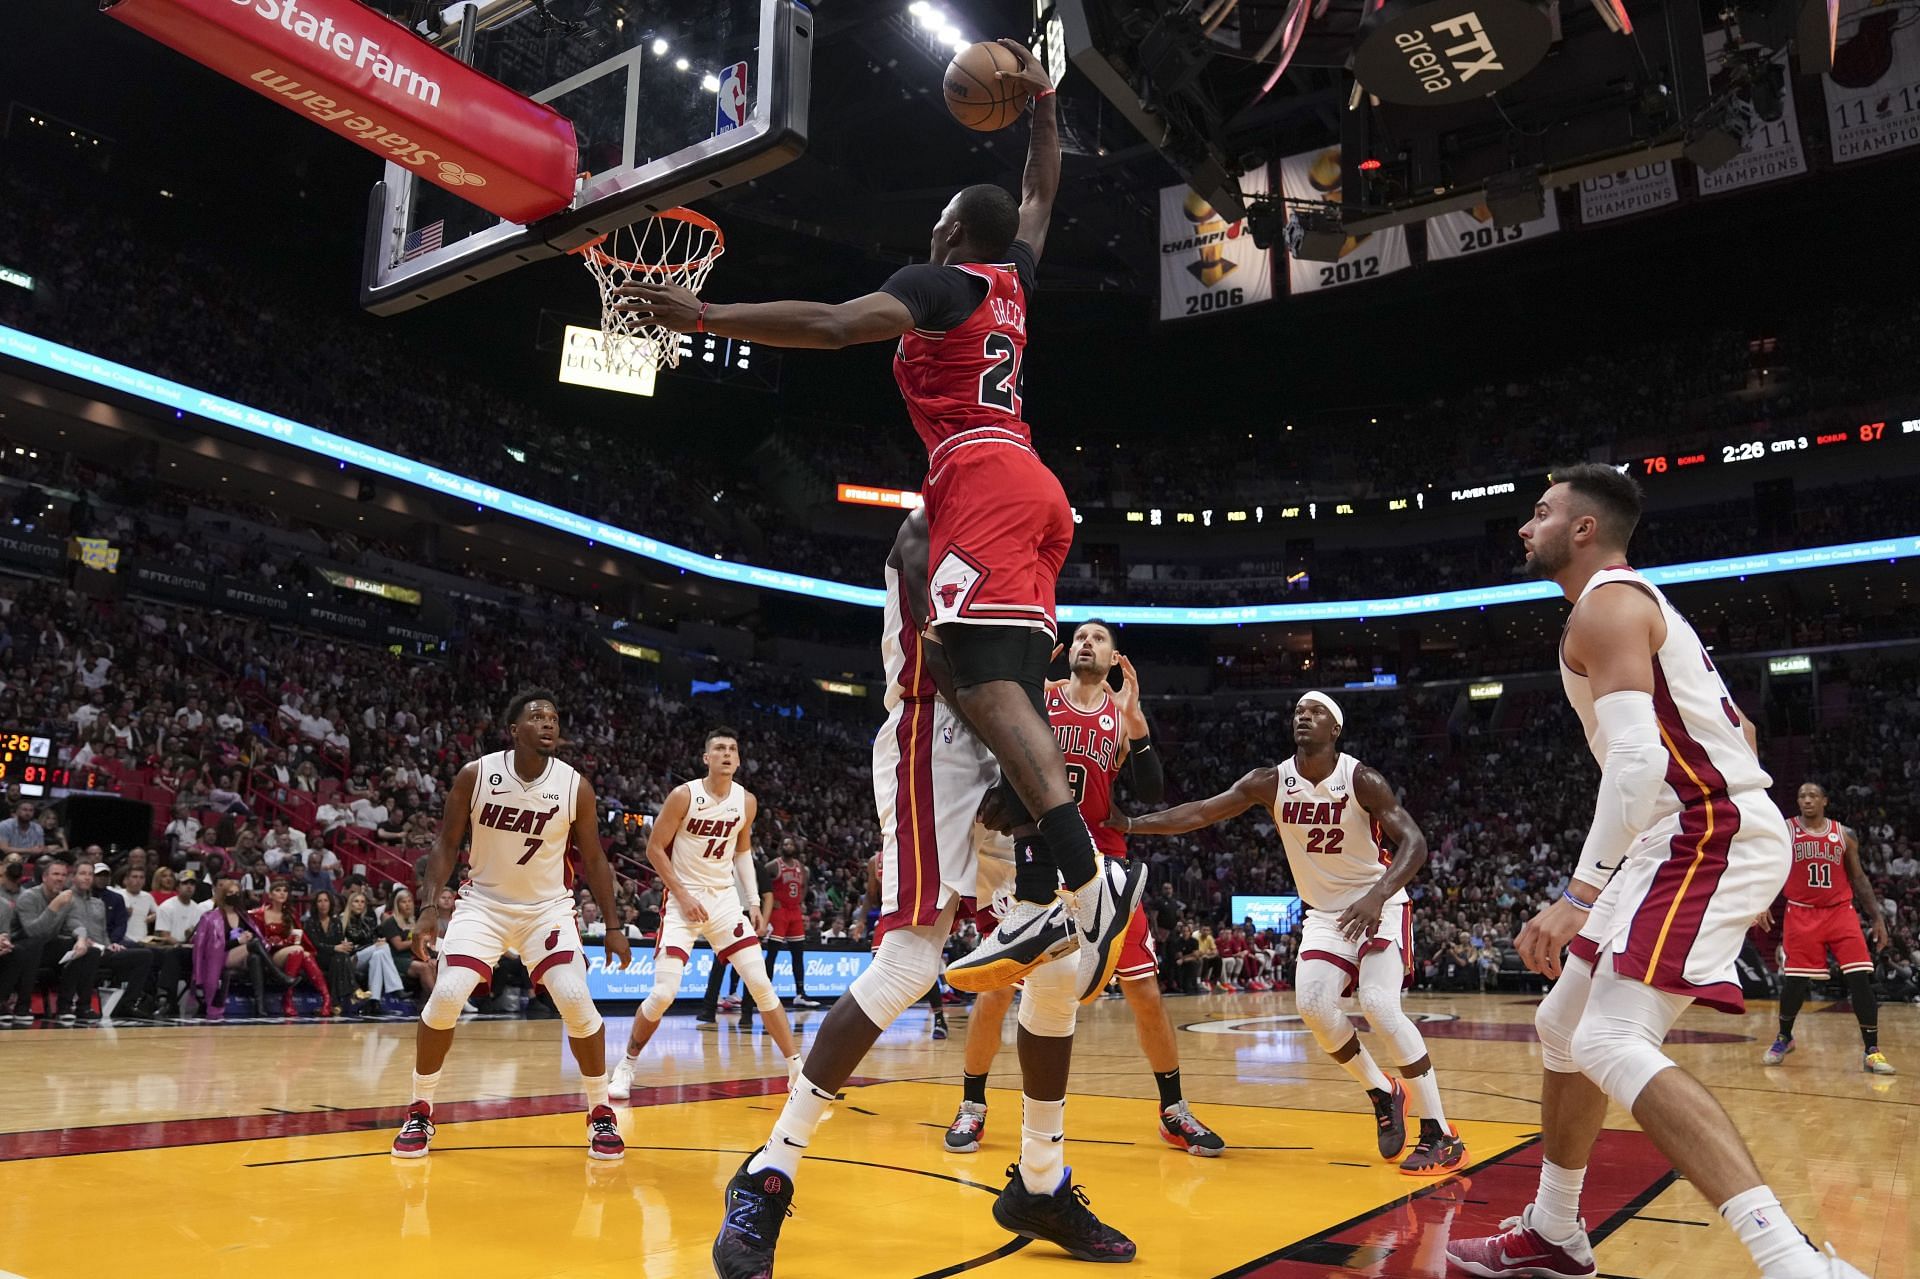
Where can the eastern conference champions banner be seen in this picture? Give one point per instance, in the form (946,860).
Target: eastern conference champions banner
(1873,93)
(1772,150)
(1468,231)
(1207,264)
(1630,191)
(1315,175)
(829,973)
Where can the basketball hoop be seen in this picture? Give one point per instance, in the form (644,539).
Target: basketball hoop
(677,246)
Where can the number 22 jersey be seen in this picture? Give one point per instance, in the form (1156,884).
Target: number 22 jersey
(1332,843)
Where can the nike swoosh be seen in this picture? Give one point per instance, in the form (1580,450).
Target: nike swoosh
(1507,1259)
(1007,938)
(496,792)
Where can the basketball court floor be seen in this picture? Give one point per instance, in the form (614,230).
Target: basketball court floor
(201,1150)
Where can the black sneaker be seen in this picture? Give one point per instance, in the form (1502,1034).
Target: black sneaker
(705,1017)
(1180,1127)
(758,1204)
(939,1025)
(1390,1112)
(1061,1218)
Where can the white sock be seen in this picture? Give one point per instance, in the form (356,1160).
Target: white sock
(1362,1067)
(1556,1205)
(596,1086)
(1043,1144)
(633,1056)
(1426,1097)
(423,1086)
(1777,1245)
(806,1106)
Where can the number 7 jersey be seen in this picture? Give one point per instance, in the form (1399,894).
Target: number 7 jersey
(517,846)
(1332,843)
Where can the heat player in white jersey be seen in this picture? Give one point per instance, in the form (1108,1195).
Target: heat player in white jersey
(1330,811)
(525,807)
(701,846)
(1684,850)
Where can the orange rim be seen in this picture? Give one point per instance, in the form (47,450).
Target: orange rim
(592,251)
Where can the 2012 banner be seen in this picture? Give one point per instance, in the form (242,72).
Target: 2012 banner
(1208,264)
(1315,176)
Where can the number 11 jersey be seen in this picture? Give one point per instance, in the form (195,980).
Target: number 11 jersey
(517,850)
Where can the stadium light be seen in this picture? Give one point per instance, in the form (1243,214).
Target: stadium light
(659,47)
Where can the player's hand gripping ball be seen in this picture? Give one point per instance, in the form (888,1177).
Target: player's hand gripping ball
(988,85)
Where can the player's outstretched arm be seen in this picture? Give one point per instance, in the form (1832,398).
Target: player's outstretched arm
(598,872)
(1041,181)
(446,852)
(1257,787)
(660,840)
(1146,778)
(1863,894)
(1377,796)
(821,326)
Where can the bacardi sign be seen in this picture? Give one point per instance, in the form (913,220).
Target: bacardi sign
(372,81)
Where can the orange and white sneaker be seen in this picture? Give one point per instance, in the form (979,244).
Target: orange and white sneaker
(1438,1152)
(603,1135)
(416,1132)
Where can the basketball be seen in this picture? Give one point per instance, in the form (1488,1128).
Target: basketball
(976,95)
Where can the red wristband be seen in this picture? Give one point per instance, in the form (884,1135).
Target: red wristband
(700,320)
(1044,93)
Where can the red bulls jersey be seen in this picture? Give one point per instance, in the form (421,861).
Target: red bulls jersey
(969,376)
(1819,874)
(789,886)
(1092,744)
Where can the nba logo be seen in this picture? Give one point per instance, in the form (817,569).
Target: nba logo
(730,112)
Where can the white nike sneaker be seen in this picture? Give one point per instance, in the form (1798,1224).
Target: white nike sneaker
(1521,1252)
(1836,1268)
(620,1085)
(1102,910)
(1029,935)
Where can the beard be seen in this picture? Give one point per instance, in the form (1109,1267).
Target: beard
(1548,558)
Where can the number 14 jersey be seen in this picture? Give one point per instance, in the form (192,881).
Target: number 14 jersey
(1332,843)
(704,847)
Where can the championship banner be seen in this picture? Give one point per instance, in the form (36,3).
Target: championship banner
(1465,232)
(1207,264)
(1873,92)
(1620,195)
(1315,175)
(1772,150)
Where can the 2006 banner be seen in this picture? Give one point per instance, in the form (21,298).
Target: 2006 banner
(1208,264)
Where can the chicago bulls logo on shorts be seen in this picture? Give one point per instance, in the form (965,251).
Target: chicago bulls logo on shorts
(949,592)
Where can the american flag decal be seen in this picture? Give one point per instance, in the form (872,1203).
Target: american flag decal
(424,240)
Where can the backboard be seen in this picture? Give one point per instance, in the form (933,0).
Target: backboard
(670,100)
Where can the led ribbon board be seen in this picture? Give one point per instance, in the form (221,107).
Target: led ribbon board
(104,373)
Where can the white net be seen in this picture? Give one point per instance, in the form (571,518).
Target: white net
(675,247)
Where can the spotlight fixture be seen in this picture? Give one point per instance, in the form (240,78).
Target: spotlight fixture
(1515,197)
(1315,236)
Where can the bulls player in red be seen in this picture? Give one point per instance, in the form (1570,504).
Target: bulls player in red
(1103,735)
(1826,890)
(786,912)
(998,521)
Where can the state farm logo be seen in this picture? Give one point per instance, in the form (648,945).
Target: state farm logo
(455,175)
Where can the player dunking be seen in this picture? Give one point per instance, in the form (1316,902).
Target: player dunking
(1825,890)
(524,807)
(1330,810)
(930,776)
(999,521)
(1103,734)
(1683,852)
(704,828)
(786,910)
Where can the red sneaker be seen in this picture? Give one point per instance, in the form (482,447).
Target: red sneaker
(603,1135)
(1519,1250)
(416,1132)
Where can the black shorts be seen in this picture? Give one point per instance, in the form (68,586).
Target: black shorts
(983,654)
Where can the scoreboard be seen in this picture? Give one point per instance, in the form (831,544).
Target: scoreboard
(27,761)
(1867,435)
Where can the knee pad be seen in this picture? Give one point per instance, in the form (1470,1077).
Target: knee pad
(751,963)
(1559,1016)
(901,973)
(1318,1000)
(666,985)
(449,996)
(1050,1000)
(1617,1044)
(1381,1005)
(568,986)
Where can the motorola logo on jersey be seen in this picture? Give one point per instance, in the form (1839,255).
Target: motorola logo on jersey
(1106,723)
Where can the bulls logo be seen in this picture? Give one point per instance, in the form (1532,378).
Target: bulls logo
(949,592)
(553,939)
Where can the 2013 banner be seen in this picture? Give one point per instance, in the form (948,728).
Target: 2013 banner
(1315,176)
(1208,264)
(1465,232)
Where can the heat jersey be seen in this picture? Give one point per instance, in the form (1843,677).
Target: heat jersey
(1092,743)
(789,887)
(901,653)
(1333,846)
(1819,874)
(708,840)
(517,846)
(969,376)
(1707,753)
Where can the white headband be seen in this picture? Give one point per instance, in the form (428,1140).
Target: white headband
(1333,708)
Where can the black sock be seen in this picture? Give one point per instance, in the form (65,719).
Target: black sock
(1169,1085)
(1793,993)
(933,1001)
(973,1088)
(1034,876)
(799,952)
(1071,843)
(1860,986)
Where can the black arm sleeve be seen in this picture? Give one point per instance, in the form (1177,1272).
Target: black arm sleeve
(937,297)
(1021,255)
(1146,780)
